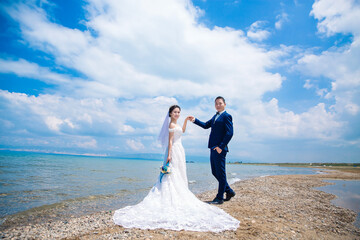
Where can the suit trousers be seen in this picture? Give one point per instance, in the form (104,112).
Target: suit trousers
(218,162)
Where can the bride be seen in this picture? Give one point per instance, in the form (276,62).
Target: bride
(170,204)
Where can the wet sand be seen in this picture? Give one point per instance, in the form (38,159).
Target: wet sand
(273,207)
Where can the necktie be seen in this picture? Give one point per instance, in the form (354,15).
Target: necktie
(217,115)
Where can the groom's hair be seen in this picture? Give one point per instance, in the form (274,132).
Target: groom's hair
(220,97)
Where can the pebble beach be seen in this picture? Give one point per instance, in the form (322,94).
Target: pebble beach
(272,207)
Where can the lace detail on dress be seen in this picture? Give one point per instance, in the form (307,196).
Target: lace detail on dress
(171,205)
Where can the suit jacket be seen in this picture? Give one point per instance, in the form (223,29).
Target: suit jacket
(221,130)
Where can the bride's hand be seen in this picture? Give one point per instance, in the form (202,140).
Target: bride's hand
(190,118)
(168,160)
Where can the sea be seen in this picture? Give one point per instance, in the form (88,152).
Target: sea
(347,195)
(41,187)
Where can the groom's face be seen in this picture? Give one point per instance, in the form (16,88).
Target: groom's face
(220,105)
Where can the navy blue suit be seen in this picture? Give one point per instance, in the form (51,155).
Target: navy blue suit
(220,135)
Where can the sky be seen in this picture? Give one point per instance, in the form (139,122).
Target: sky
(98,76)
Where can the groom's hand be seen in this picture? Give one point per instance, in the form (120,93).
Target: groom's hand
(219,150)
(191,118)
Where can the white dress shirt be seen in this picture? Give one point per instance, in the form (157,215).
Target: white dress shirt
(218,115)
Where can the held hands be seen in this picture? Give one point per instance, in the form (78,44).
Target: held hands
(219,150)
(190,118)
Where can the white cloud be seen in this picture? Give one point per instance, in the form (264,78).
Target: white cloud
(143,50)
(337,16)
(48,36)
(352,108)
(88,116)
(46,116)
(322,93)
(319,123)
(125,129)
(340,65)
(307,84)
(135,145)
(88,144)
(268,121)
(64,117)
(281,19)
(24,68)
(53,123)
(256,31)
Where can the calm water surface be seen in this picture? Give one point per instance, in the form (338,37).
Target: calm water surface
(348,195)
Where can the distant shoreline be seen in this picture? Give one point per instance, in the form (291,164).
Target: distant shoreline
(347,167)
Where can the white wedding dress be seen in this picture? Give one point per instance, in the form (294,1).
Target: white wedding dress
(171,205)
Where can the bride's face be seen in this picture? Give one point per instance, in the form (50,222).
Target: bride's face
(175,114)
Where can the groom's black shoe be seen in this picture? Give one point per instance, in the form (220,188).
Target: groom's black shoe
(229,195)
(216,201)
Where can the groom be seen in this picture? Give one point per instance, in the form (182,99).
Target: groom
(220,135)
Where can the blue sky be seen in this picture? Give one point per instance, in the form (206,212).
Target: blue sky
(97,77)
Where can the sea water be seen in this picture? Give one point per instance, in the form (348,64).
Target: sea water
(347,195)
(38,187)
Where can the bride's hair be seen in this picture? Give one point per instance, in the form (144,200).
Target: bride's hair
(172,108)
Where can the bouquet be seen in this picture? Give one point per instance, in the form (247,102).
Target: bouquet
(165,169)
